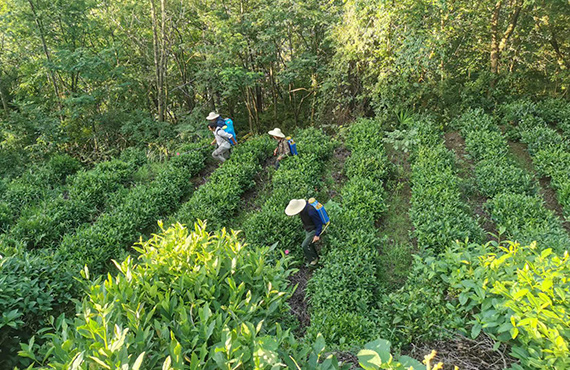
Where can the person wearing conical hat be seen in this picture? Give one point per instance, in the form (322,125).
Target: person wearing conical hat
(216,118)
(282,149)
(311,223)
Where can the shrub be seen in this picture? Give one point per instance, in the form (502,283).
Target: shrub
(438,213)
(193,299)
(342,293)
(33,288)
(486,145)
(87,195)
(515,294)
(95,245)
(526,219)
(60,167)
(496,176)
(219,198)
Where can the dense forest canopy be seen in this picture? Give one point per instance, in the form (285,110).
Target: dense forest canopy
(93,76)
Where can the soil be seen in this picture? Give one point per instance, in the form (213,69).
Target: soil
(465,353)
(203,175)
(456,143)
(297,303)
(340,155)
(519,150)
(349,359)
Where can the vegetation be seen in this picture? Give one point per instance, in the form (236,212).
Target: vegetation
(513,202)
(103,136)
(342,292)
(439,214)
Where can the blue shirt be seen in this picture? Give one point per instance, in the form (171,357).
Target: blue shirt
(311,219)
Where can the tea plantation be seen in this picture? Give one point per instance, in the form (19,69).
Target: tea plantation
(178,262)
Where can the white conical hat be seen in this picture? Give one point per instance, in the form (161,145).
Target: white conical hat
(295,207)
(212,115)
(276,132)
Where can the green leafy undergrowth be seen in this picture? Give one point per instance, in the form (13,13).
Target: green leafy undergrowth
(192,299)
(516,294)
(550,151)
(34,185)
(33,286)
(114,231)
(87,195)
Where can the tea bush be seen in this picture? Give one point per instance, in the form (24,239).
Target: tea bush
(343,292)
(192,299)
(437,211)
(513,206)
(33,286)
(298,177)
(218,199)
(88,194)
(550,152)
(526,219)
(95,245)
(515,294)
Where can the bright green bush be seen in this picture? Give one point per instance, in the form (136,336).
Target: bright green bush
(376,355)
(496,176)
(486,145)
(513,204)
(343,292)
(474,120)
(516,294)
(193,299)
(362,163)
(60,167)
(550,151)
(88,194)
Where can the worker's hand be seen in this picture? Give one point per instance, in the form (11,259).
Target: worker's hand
(275,152)
(280,158)
(316,239)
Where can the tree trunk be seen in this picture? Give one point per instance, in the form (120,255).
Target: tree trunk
(498,42)
(159,57)
(495,40)
(46,52)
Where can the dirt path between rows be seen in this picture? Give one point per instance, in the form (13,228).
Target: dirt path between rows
(466,167)
(465,353)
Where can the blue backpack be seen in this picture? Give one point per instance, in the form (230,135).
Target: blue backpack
(292,146)
(229,128)
(321,211)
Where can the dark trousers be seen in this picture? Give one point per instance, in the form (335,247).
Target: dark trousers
(309,246)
